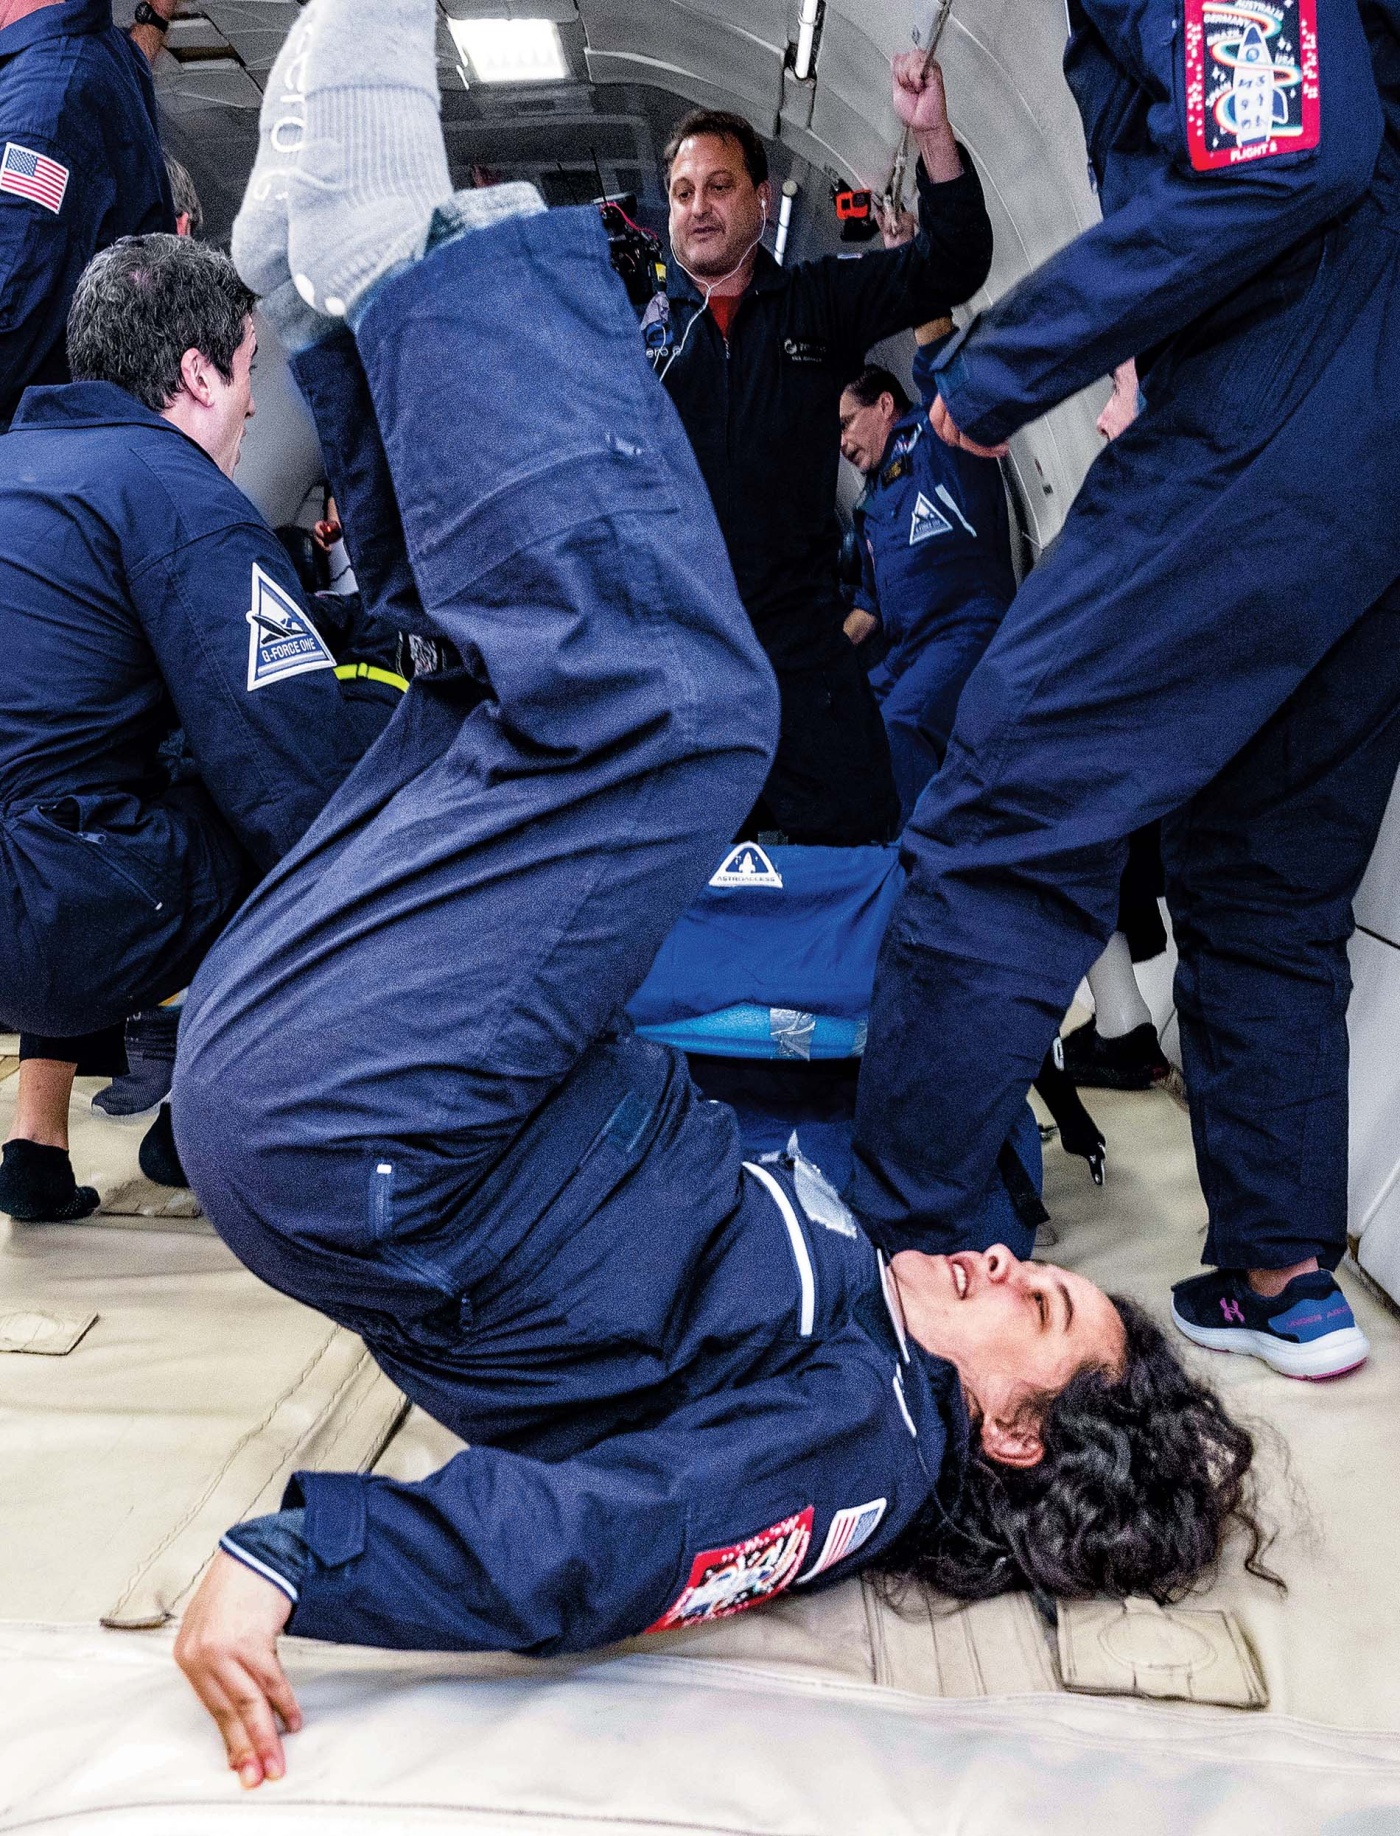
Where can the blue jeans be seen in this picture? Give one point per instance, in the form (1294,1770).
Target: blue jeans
(474,906)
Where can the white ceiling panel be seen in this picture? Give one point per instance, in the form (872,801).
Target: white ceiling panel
(619,67)
(694,51)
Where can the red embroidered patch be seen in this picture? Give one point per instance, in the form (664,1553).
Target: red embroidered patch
(725,1581)
(1252,89)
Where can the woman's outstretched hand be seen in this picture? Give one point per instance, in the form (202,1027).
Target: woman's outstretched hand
(947,430)
(227,1649)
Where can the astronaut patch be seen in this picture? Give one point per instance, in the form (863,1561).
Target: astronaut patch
(725,1581)
(282,641)
(747,865)
(1252,88)
(927,520)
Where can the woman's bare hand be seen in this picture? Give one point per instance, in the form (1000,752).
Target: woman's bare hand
(227,1649)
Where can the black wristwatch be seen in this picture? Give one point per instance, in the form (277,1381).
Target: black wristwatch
(146,14)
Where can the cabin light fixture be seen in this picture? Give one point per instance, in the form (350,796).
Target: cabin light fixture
(780,241)
(511,50)
(806,39)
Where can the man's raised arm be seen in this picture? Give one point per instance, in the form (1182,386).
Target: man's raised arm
(891,290)
(1184,239)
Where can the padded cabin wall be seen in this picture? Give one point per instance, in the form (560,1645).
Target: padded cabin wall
(281,457)
(1010,107)
(1375,1062)
(719,53)
(1008,102)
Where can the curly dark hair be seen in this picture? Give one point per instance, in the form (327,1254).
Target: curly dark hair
(1143,1477)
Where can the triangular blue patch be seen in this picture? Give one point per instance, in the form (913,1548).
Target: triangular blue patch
(282,641)
(927,520)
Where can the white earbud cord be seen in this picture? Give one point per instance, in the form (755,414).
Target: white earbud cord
(709,287)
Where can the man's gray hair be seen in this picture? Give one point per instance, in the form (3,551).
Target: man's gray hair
(145,301)
(185,196)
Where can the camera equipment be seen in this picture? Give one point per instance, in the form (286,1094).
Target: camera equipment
(855,212)
(636,255)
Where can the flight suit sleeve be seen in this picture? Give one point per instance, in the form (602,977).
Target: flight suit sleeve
(717,1509)
(253,682)
(866,596)
(1189,233)
(332,380)
(890,290)
(43,249)
(924,370)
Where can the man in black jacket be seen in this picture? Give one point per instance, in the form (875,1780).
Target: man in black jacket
(758,360)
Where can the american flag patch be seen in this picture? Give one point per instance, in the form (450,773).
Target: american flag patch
(849,1529)
(31,175)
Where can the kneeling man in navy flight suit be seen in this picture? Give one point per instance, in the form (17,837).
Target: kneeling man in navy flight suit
(141,592)
(1212,640)
(689,1382)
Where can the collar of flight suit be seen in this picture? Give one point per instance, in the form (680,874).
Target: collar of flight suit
(72,18)
(768,277)
(85,405)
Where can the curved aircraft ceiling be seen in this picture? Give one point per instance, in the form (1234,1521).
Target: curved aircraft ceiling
(634,63)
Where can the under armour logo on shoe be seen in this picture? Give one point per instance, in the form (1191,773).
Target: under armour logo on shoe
(1232,1310)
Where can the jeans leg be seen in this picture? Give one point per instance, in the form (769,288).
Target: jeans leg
(1262,867)
(831,784)
(491,884)
(332,379)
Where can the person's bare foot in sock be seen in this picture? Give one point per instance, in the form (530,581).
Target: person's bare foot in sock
(351,164)
(372,166)
(259,241)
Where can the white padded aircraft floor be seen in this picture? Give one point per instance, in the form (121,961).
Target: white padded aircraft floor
(184,1406)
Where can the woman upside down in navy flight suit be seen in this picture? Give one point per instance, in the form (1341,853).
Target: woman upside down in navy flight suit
(689,1384)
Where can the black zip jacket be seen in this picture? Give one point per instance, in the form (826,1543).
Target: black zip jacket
(762,411)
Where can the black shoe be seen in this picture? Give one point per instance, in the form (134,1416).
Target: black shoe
(37,1185)
(158,1158)
(1133,1062)
(1079,1132)
(150,1058)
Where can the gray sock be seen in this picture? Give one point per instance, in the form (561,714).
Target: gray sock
(372,167)
(260,228)
(292,319)
(479,207)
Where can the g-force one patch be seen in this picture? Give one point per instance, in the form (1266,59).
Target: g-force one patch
(1252,86)
(725,1581)
(926,520)
(282,641)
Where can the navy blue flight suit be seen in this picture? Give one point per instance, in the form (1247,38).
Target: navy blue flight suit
(935,542)
(682,1383)
(80,166)
(1213,639)
(141,591)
